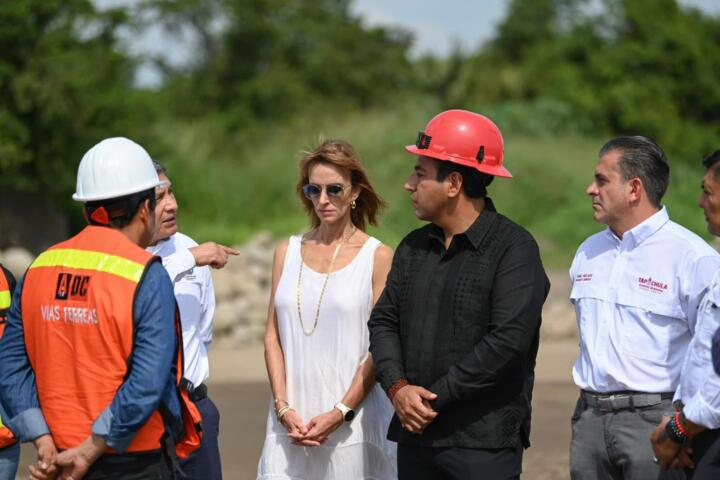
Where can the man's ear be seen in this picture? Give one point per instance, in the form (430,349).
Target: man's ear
(454,184)
(637,189)
(144,211)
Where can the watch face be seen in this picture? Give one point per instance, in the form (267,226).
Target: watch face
(349,415)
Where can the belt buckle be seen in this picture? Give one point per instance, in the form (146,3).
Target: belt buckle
(614,402)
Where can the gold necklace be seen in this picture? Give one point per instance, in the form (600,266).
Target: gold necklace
(322,292)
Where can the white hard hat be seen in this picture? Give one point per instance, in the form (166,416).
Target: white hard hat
(114,168)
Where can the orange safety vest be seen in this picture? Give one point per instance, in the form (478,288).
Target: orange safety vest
(6,436)
(77,304)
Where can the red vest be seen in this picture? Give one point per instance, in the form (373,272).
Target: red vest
(77,304)
(6,436)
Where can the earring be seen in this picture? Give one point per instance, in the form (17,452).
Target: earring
(353,205)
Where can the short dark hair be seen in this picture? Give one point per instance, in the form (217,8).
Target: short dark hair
(642,158)
(474,182)
(121,210)
(711,161)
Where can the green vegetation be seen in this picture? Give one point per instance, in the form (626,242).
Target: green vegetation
(270,78)
(230,188)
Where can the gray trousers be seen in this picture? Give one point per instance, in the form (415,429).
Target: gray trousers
(615,445)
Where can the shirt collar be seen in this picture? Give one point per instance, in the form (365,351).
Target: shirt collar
(475,232)
(155,249)
(641,232)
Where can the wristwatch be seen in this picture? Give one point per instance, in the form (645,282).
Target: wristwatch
(347,412)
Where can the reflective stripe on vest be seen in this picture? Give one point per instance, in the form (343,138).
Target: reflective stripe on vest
(77,304)
(4,296)
(89,260)
(6,436)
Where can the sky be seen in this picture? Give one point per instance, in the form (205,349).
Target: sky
(437,26)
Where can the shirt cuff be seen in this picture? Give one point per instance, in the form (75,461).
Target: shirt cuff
(101,427)
(389,378)
(699,411)
(29,425)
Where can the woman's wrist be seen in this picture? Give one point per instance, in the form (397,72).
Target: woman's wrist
(283,411)
(280,402)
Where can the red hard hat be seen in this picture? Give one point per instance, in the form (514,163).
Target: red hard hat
(465,138)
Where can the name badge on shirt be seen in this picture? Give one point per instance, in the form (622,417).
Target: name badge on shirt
(583,277)
(190,275)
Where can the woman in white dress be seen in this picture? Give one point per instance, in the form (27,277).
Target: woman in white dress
(327,418)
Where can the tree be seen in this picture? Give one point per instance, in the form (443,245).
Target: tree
(271,58)
(63,86)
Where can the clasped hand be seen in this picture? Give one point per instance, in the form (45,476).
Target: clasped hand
(70,464)
(670,455)
(316,432)
(412,405)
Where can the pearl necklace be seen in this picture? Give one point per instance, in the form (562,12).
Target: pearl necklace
(322,291)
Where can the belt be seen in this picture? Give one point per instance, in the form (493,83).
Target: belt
(199,393)
(614,401)
(195,393)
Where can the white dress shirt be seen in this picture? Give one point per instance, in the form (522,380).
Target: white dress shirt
(636,301)
(195,297)
(699,387)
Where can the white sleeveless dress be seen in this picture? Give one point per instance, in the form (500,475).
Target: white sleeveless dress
(319,370)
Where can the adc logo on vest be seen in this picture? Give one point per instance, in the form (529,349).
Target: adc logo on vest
(72,287)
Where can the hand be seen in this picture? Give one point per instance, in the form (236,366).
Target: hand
(45,468)
(666,451)
(683,460)
(294,425)
(76,461)
(321,426)
(412,406)
(213,254)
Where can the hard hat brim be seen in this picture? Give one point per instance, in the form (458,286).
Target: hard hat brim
(497,171)
(117,194)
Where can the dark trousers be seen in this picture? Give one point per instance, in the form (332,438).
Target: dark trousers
(706,455)
(204,463)
(130,466)
(454,463)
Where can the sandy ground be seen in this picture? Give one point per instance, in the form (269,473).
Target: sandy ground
(239,388)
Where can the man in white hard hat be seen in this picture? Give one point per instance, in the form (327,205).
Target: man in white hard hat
(187,263)
(88,362)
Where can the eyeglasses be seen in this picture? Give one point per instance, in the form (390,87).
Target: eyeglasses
(312,190)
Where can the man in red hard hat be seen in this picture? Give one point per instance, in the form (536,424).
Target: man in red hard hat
(455,334)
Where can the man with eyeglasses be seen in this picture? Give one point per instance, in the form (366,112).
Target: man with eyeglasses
(186,262)
(455,334)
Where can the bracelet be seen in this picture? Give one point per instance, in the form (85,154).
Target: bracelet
(680,421)
(674,432)
(280,400)
(395,387)
(281,413)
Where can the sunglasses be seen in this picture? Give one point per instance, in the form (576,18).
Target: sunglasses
(334,190)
